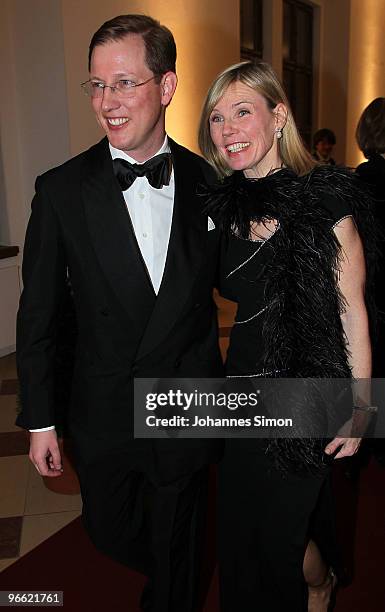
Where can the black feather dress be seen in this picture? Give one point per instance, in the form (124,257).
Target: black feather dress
(288,319)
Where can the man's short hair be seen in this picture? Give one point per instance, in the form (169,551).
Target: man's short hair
(158,40)
(324,134)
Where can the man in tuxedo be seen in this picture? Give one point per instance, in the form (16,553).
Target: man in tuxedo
(123,222)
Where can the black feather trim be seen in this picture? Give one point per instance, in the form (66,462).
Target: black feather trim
(302,331)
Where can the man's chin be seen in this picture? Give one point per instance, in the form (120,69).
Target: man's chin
(119,142)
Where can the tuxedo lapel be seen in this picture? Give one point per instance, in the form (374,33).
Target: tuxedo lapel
(185,251)
(111,232)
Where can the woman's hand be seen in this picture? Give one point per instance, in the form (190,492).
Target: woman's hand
(349,446)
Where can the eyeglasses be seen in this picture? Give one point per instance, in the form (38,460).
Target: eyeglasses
(124,88)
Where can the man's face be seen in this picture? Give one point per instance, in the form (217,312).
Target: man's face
(324,148)
(134,124)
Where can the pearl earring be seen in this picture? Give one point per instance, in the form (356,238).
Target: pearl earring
(278,132)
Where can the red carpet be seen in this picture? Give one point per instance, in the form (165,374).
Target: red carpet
(367,591)
(68,562)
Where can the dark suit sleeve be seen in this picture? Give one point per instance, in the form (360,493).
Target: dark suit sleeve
(44,275)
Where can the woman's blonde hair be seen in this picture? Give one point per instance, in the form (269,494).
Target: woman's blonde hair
(260,77)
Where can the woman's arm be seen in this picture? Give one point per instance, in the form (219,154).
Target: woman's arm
(355,319)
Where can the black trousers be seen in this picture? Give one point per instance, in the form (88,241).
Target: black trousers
(263,526)
(157,530)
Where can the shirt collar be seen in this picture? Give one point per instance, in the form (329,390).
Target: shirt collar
(165,148)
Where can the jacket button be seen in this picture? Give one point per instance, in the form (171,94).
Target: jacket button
(177,363)
(197,305)
(104,312)
(135,370)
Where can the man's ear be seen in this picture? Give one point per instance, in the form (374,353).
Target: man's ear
(168,86)
(280,113)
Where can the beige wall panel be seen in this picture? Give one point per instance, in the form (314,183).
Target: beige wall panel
(331,55)
(333,77)
(33,109)
(10,293)
(207,38)
(272,34)
(11,198)
(366,65)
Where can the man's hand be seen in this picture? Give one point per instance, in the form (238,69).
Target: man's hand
(45,454)
(349,446)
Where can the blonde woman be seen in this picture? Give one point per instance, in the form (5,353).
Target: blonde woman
(293,261)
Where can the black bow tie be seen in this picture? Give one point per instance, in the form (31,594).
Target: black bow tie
(157,170)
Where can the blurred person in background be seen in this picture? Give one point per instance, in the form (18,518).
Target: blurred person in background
(370,135)
(323,143)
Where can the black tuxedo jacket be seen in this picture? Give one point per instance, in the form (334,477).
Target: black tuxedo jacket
(80,227)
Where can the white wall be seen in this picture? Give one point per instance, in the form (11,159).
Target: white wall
(33,126)
(33,107)
(40,87)
(12,218)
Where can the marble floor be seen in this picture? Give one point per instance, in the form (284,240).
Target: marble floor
(29,512)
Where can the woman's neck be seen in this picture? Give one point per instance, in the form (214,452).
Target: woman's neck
(266,166)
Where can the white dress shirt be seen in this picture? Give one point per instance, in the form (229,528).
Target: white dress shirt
(151,212)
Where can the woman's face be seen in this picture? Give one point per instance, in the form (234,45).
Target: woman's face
(243,129)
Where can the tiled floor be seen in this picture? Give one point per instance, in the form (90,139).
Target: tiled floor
(29,512)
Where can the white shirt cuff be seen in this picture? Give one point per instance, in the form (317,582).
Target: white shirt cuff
(43,428)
